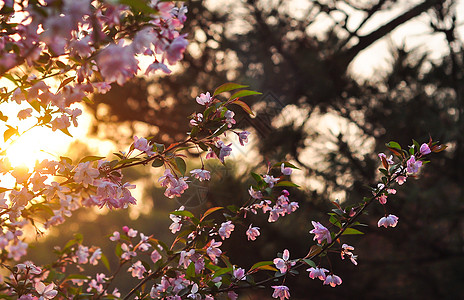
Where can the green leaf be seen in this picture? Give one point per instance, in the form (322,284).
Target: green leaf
(184,213)
(334,220)
(210,211)
(286,164)
(286,183)
(244,106)
(9,133)
(256,177)
(393,145)
(138,5)
(157,163)
(191,271)
(352,231)
(65,82)
(261,264)
(91,158)
(65,131)
(309,262)
(222,271)
(77,276)
(243,93)
(180,163)
(105,262)
(228,87)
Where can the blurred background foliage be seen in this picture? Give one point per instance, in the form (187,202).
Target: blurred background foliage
(331,123)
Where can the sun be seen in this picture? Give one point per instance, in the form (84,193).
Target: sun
(36,145)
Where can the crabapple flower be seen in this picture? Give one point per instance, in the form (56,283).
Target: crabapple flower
(226,229)
(204,99)
(333,280)
(45,291)
(283,264)
(281,291)
(382,199)
(155,256)
(25,113)
(97,254)
(270,180)
(390,220)
(413,165)
(400,180)
(255,194)
(321,233)
(137,270)
(425,149)
(157,66)
(252,232)
(175,51)
(389,160)
(346,250)
(317,273)
(201,174)
(243,137)
(176,225)
(239,273)
(85,174)
(229,115)
(285,170)
(28,266)
(115,237)
(213,250)
(142,145)
(224,150)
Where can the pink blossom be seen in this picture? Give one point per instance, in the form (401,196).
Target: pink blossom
(157,66)
(413,165)
(400,180)
(46,291)
(333,280)
(224,150)
(252,232)
(382,199)
(28,266)
(229,115)
(243,137)
(60,123)
(141,144)
(270,180)
(97,254)
(117,63)
(226,229)
(390,220)
(283,264)
(321,233)
(185,256)
(389,160)
(239,273)
(255,194)
(281,291)
(137,270)
(175,51)
(85,173)
(317,273)
(82,254)
(127,251)
(201,174)
(204,99)
(155,256)
(346,251)
(425,149)
(285,170)
(25,113)
(213,250)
